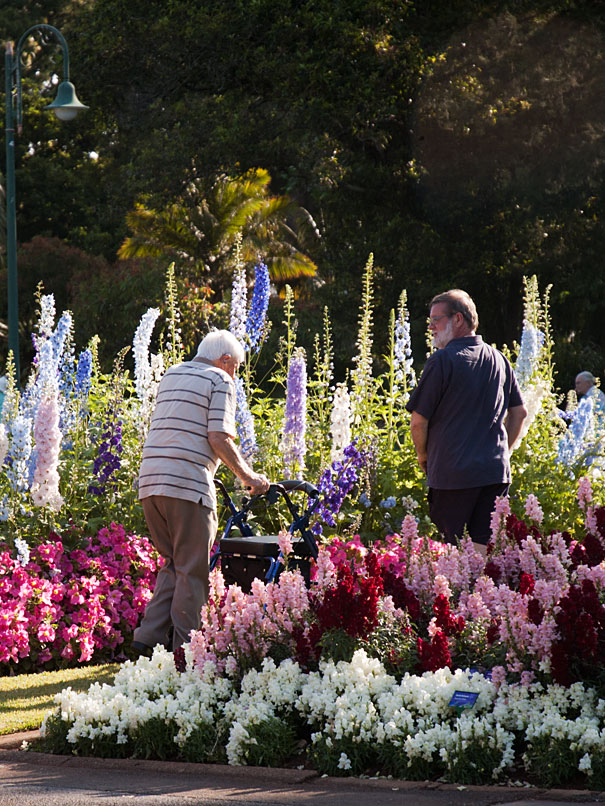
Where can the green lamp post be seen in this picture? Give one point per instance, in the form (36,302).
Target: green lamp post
(65,106)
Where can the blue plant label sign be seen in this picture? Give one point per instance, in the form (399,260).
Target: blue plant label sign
(464,699)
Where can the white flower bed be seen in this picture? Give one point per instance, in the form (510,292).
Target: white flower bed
(352,714)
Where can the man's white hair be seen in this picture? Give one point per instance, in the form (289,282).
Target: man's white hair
(586,376)
(218,343)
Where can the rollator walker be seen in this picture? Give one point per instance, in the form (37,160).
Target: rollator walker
(245,556)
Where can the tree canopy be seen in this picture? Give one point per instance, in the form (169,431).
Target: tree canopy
(459,142)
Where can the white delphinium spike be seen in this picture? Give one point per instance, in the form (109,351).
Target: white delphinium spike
(140,345)
(340,422)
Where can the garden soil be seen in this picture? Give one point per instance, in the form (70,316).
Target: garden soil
(28,779)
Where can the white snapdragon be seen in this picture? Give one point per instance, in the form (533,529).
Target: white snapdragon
(265,694)
(142,691)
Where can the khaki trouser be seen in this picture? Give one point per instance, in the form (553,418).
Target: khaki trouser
(183,532)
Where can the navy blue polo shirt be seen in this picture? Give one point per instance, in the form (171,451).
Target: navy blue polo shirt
(465,391)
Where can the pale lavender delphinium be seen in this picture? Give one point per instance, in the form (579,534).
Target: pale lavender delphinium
(244,423)
(576,440)
(402,348)
(294,445)
(532,342)
(45,487)
(239,298)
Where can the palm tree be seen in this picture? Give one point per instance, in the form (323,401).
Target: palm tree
(200,229)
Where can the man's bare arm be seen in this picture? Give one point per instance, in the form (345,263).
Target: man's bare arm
(514,422)
(419,429)
(226,449)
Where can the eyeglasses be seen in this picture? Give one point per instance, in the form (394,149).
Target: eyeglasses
(434,319)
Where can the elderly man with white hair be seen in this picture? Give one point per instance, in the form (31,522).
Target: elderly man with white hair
(192,429)
(586,386)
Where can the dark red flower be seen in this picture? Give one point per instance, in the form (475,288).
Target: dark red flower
(403,597)
(534,611)
(559,664)
(434,654)
(580,649)
(445,621)
(179,659)
(493,631)
(589,552)
(527,584)
(599,514)
(519,530)
(492,570)
(352,604)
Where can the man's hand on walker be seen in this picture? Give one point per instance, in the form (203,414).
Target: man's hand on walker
(257,484)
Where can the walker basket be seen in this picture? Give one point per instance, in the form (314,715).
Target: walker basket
(245,556)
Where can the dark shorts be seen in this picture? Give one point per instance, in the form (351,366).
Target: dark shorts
(453,510)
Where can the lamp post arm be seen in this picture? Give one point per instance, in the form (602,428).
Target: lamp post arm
(42,27)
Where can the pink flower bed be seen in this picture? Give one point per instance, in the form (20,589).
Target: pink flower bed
(533,609)
(66,607)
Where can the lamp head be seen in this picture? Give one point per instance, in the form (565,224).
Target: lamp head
(66,105)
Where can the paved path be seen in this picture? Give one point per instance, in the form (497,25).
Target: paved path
(28,779)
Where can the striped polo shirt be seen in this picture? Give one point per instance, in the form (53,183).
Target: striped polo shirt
(193,398)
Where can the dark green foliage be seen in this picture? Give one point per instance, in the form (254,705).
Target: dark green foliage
(461,142)
(392,758)
(206,744)
(274,742)
(552,761)
(325,756)
(337,645)
(154,738)
(107,299)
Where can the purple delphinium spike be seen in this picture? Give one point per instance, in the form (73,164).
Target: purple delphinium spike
(255,323)
(335,483)
(108,457)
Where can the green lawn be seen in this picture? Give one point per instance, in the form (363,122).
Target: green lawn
(26,699)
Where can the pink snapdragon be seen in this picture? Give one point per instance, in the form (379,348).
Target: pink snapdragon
(441,586)
(409,528)
(498,517)
(584,493)
(533,510)
(472,607)
(585,497)
(237,629)
(284,540)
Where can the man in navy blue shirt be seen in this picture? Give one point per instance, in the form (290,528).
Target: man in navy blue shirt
(467,411)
